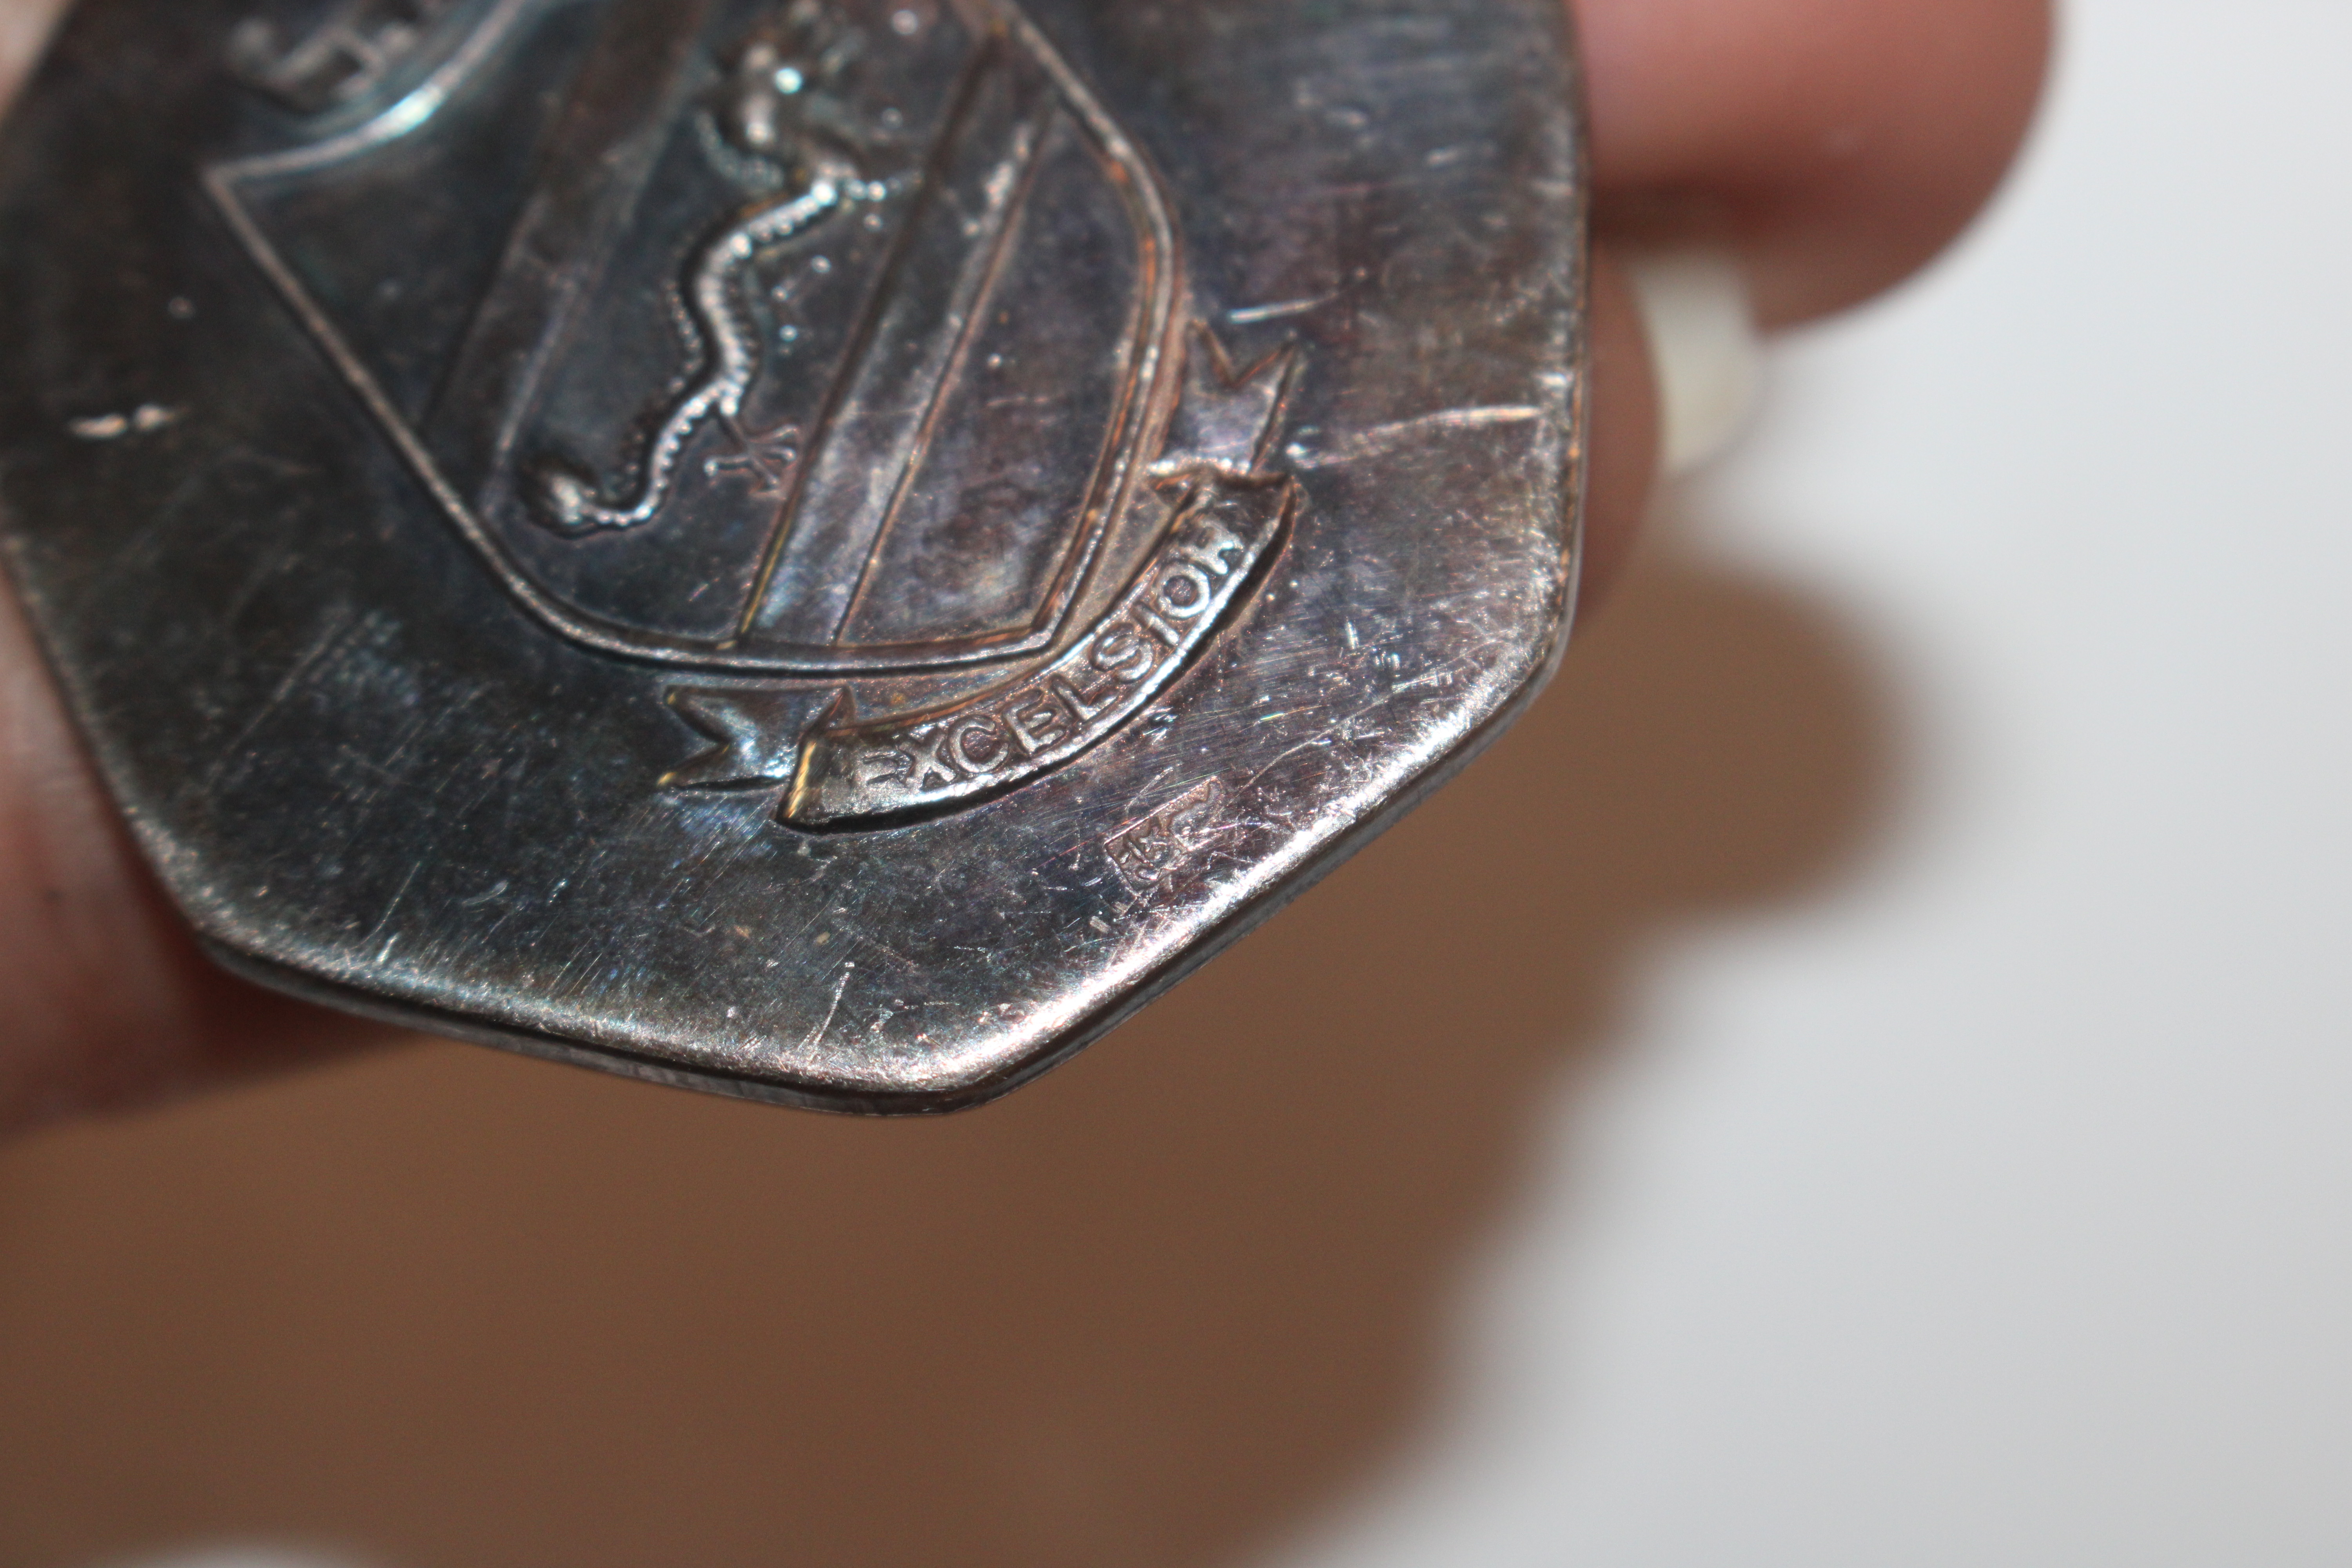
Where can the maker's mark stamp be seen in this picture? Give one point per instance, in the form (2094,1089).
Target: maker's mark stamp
(1148,850)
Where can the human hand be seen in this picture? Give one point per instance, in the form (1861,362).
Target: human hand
(1832,146)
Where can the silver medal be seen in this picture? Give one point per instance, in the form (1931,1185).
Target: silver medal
(824,550)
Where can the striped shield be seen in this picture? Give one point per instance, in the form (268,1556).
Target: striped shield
(798,337)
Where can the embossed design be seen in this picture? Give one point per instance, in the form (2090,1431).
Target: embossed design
(1229,519)
(900,297)
(779,122)
(1145,851)
(855,774)
(885,370)
(767,459)
(756,735)
(347,57)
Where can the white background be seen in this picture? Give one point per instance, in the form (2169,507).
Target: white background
(1996,1207)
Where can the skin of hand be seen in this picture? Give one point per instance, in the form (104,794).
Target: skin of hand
(1833,145)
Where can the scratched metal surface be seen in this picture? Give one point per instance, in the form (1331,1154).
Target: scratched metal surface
(824,552)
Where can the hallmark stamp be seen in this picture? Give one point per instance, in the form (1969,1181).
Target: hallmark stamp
(1148,850)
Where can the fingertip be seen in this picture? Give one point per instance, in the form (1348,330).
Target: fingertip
(1621,428)
(111,1003)
(1837,143)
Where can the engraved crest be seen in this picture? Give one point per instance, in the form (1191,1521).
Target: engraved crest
(824,550)
(804,336)
(794,338)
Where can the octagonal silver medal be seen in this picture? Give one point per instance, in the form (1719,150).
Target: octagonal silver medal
(819,548)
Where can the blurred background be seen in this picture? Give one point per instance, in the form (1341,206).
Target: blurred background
(1861,1076)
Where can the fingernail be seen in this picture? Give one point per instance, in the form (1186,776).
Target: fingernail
(1704,346)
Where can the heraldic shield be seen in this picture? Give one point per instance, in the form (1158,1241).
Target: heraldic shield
(797,336)
(823,549)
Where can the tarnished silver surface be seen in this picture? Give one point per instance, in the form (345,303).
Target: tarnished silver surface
(819,548)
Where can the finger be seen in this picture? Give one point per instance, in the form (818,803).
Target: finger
(24,24)
(109,1000)
(105,999)
(1621,431)
(1837,144)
